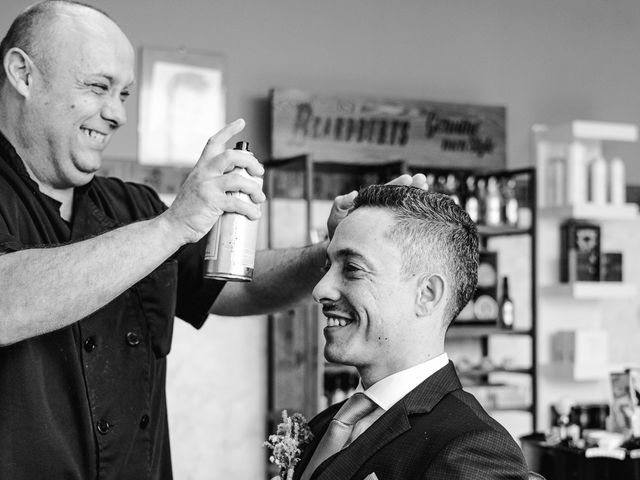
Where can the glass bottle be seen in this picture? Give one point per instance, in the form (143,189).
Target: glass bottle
(431,183)
(506,310)
(481,193)
(452,188)
(510,202)
(493,212)
(471,204)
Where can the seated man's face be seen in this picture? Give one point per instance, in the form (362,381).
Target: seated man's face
(368,303)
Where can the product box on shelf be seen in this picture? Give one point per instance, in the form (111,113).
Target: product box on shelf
(611,267)
(579,251)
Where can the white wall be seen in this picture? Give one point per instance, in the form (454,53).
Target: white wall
(546,61)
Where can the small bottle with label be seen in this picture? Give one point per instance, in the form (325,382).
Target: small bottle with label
(493,213)
(510,202)
(506,310)
(471,204)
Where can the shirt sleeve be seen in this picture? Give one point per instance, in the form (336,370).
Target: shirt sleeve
(196,294)
(8,243)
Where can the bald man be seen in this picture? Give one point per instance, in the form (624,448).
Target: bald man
(93,270)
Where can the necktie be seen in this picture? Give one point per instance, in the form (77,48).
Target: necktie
(357,407)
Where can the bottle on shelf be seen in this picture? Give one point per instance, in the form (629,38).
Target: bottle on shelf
(481,193)
(441,184)
(617,184)
(567,432)
(506,310)
(471,204)
(576,176)
(451,186)
(431,182)
(493,204)
(598,180)
(510,202)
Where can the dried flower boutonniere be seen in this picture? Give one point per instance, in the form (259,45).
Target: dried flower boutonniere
(286,443)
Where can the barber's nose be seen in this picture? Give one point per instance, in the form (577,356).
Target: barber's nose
(114,111)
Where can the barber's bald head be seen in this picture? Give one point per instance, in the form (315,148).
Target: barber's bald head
(37,30)
(67,71)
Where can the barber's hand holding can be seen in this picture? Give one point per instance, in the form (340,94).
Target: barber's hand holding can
(205,194)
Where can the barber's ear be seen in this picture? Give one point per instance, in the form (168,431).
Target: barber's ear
(430,294)
(18,67)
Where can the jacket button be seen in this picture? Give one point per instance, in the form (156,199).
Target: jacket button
(103,427)
(144,421)
(90,344)
(133,339)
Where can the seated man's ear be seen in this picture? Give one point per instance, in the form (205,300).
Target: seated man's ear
(430,294)
(18,68)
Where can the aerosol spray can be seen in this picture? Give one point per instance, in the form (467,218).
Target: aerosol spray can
(231,246)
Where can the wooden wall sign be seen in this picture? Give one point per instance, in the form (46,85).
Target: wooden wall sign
(365,130)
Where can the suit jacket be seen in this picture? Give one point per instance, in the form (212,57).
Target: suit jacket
(437,431)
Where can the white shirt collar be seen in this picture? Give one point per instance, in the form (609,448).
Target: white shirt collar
(391,389)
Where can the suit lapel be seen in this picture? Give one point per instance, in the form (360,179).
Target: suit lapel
(421,400)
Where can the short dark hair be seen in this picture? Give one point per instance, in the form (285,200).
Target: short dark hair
(25,28)
(431,230)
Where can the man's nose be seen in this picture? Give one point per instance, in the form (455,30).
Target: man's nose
(114,112)
(324,289)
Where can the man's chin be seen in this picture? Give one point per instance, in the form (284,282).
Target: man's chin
(79,178)
(336,357)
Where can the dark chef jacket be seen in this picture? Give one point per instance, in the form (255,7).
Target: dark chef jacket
(88,401)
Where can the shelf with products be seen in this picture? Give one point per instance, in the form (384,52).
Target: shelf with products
(309,183)
(507,239)
(582,194)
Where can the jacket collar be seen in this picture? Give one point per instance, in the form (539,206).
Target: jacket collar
(393,423)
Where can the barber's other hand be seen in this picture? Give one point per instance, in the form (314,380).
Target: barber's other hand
(339,210)
(343,203)
(203,196)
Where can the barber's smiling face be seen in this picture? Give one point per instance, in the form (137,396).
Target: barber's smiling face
(368,303)
(78,101)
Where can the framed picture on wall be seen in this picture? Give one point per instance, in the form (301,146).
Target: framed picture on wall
(182,103)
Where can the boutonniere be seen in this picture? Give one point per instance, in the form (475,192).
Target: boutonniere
(286,443)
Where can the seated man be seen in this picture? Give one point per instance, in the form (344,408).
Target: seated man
(400,268)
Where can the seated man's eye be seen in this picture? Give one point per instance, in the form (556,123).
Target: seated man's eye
(351,268)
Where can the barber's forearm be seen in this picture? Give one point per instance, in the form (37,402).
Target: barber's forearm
(45,289)
(282,278)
